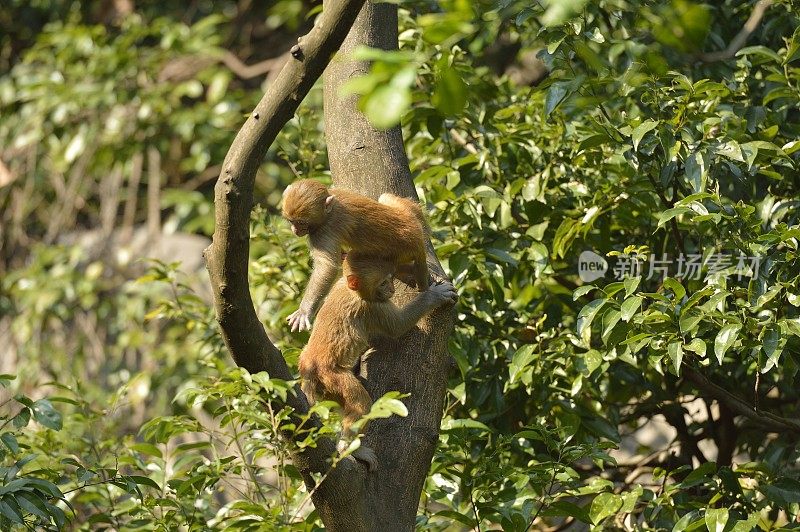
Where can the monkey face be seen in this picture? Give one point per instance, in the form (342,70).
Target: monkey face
(371,289)
(385,290)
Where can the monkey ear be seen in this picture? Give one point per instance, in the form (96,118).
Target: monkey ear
(353,282)
(328,202)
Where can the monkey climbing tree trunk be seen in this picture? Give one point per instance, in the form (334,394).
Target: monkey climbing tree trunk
(369,161)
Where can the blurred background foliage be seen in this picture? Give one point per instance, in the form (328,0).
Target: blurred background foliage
(535,131)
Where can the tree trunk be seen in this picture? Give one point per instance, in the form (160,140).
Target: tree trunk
(370,161)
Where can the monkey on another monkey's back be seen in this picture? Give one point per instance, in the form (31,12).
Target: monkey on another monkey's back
(392,228)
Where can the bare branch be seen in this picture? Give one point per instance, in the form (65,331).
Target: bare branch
(765,420)
(238,67)
(740,39)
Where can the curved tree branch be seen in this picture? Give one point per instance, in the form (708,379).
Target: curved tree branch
(339,499)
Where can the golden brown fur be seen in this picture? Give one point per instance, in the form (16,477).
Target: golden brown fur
(392,228)
(346,325)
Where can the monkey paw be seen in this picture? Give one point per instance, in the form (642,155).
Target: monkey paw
(445,292)
(368,456)
(299,320)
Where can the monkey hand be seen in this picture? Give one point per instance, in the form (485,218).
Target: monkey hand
(299,320)
(444,292)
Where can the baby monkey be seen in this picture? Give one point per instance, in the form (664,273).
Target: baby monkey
(355,313)
(392,228)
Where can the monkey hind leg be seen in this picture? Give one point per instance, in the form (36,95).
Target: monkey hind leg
(345,388)
(311,384)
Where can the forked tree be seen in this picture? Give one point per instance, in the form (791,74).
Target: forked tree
(369,161)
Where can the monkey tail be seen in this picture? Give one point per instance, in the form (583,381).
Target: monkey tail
(419,214)
(410,205)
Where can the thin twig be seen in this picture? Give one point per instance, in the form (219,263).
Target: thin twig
(467,145)
(238,67)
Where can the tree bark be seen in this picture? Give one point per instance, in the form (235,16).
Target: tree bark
(371,162)
(340,498)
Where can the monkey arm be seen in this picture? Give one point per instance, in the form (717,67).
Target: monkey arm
(394,321)
(326,265)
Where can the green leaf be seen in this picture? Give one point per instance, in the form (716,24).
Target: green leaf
(10,509)
(10,441)
(558,11)
(456,424)
(676,287)
(610,320)
(520,361)
(450,93)
(731,150)
(689,321)
(144,481)
(631,284)
(793,53)
(556,94)
(629,499)
(45,414)
(675,352)
(562,508)
(725,339)
(669,214)
(32,504)
(641,130)
(385,105)
(772,346)
(629,307)
(784,491)
(386,406)
(762,51)
(697,346)
(585,317)
(716,519)
(747,525)
(697,165)
(453,516)
(604,505)
(582,291)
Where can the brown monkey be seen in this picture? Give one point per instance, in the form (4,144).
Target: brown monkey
(357,311)
(393,228)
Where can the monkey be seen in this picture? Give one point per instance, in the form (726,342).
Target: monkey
(357,311)
(339,220)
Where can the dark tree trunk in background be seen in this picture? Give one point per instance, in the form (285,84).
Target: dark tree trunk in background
(369,161)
